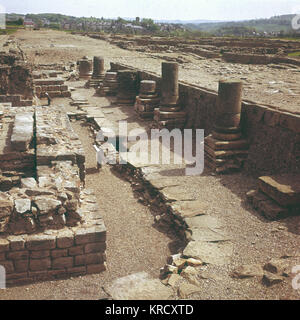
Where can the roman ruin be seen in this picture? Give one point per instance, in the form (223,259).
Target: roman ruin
(169,114)
(225,149)
(147,99)
(72,228)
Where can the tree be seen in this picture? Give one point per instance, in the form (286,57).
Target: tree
(20,22)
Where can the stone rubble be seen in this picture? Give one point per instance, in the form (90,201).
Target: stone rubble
(49,202)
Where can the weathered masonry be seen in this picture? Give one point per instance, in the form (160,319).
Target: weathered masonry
(273,135)
(50,225)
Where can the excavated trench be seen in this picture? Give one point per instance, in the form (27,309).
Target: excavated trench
(129,218)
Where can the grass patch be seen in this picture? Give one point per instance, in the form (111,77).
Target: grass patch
(10,29)
(294,54)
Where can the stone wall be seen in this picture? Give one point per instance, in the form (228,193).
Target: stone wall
(14,159)
(15,80)
(274,135)
(258,59)
(50,225)
(53,255)
(54,86)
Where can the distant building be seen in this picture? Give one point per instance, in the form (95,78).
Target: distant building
(45,22)
(29,24)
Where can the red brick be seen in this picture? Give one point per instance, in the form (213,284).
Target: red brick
(76,251)
(95,247)
(4,245)
(17,255)
(96,268)
(21,265)
(65,239)
(91,258)
(40,254)
(58,253)
(64,262)
(16,243)
(90,235)
(41,242)
(39,265)
(77,271)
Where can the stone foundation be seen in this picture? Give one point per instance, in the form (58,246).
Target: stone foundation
(55,254)
(273,136)
(54,86)
(50,225)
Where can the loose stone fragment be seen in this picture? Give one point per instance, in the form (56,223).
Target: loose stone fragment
(270,279)
(248,271)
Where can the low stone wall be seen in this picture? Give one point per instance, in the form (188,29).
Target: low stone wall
(50,225)
(57,254)
(16,100)
(201,52)
(11,159)
(16,77)
(54,86)
(274,135)
(258,59)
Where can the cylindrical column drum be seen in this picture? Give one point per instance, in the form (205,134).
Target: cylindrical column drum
(229,103)
(85,68)
(98,66)
(169,85)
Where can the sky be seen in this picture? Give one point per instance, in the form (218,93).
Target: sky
(158,9)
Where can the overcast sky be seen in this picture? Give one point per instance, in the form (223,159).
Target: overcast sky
(158,9)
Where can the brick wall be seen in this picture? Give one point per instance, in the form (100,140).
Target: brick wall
(59,254)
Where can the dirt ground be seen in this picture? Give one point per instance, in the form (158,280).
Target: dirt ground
(273,85)
(133,242)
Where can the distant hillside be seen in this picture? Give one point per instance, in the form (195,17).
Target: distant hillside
(187,21)
(277,24)
(274,26)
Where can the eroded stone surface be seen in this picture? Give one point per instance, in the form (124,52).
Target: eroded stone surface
(211,253)
(284,189)
(248,271)
(139,286)
(22,131)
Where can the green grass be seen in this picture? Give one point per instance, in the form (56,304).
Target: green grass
(10,29)
(294,54)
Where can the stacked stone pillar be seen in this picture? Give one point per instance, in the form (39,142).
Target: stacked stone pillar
(147,100)
(169,114)
(109,87)
(98,72)
(277,196)
(225,148)
(127,87)
(85,68)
